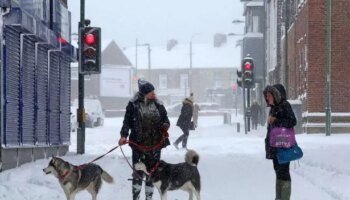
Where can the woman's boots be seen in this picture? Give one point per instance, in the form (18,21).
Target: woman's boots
(283,189)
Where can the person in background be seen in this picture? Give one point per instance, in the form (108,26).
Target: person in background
(280,115)
(256,112)
(196,110)
(184,122)
(147,119)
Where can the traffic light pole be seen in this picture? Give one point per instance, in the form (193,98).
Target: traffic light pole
(248,109)
(244,108)
(81,111)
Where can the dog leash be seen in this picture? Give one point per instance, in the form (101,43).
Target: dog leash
(154,168)
(133,169)
(98,158)
(158,146)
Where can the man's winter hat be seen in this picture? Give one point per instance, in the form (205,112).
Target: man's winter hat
(145,87)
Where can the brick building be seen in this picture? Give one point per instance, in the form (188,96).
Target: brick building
(307,61)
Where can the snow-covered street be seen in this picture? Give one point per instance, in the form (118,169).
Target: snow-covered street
(232,166)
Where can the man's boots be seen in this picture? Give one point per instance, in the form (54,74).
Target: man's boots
(136,189)
(149,190)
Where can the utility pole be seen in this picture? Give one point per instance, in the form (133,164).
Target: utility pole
(248,110)
(286,24)
(136,57)
(244,109)
(149,62)
(81,110)
(190,72)
(328,67)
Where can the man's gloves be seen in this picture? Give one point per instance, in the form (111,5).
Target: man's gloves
(122,141)
(165,126)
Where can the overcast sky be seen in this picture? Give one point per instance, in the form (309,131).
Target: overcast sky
(156,21)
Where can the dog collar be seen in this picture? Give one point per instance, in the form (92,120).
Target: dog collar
(64,175)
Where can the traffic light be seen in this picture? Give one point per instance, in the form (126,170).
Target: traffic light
(248,72)
(90,50)
(239,78)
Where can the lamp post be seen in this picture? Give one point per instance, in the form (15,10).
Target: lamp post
(328,67)
(235,34)
(286,28)
(238,21)
(136,45)
(191,63)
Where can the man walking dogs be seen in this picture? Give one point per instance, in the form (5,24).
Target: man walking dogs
(147,120)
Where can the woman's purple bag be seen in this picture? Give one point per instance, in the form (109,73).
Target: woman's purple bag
(281,137)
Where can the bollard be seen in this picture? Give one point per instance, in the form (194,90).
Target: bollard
(238,127)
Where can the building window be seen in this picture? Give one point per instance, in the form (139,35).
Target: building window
(184,81)
(217,80)
(255,24)
(163,81)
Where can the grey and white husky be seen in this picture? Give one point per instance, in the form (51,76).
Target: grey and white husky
(74,179)
(167,177)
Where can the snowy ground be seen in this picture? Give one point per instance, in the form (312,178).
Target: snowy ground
(232,166)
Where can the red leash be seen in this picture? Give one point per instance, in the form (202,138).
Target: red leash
(133,169)
(158,146)
(138,146)
(98,158)
(146,148)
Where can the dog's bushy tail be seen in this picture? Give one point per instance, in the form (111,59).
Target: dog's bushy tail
(192,157)
(106,177)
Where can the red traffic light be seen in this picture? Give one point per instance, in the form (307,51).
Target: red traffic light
(90,39)
(247,66)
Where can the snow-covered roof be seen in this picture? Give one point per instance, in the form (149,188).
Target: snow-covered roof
(203,56)
(254,3)
(253,34)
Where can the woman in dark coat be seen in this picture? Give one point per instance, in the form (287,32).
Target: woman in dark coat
(280,115)
(184,122)
(147,119)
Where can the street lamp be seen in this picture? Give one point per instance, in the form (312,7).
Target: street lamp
(191,62)
(238,21)
(235,34)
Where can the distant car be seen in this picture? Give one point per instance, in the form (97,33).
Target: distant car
(73,119)
(209,106)
(93,109)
